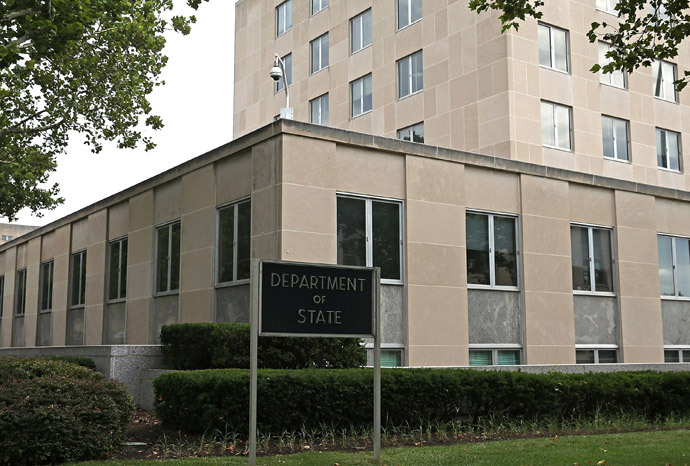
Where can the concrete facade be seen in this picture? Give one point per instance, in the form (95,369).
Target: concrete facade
(293,178)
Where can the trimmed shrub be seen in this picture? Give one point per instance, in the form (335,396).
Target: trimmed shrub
(78,360)
(54,411)
(195,401)
(225,345)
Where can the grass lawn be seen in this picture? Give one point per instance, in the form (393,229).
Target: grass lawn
(638,448)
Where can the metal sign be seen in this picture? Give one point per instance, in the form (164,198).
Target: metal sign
(299,299)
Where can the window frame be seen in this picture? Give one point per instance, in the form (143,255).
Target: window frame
(368,231)
(321,6)
(287,25)
(320,101)
(168,291)
(554,107)
(674,262)
(20,304)
(360,16)
(360,81)
(408,61)
(2,294)
(322,56)
(596,348)
(608,8)
(607,78)
(122,294)
(590,246)
(552,49)
(613,138)
(492,260)
(82,278)
(679,155)
(287,79)
(680,350)
(495,348)
(51,266)
(411,132)
(410,22)
(235,243)
(674,68)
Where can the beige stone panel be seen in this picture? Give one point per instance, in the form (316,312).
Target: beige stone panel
(167,201)
(362,123)
(638,280)
(492,51)
(58,326)
(635,210)
(93,324)
(266,246)
(118,220)
(233,177)
(438,131)
(442,98)
(471,128)
(588,145)
(464,90)
(643,354)
(308,209)
(47,247)
(543,196)
(429,105)
(618,169)
(431,264)
(672,217)
(434,223)
(469,50)
(198,230)
(369,172)
(407,40)
(615,102)
(673,180)
(457,129)
(264,163)
(591,205)
(549,321)
(141,210)
(550,354)
(138,321)
(559,158)
(667,115)
(587,121)
(491,190)
(265,211)
(98,226)
(360,63)
(547,273)
(308,247)
(555,86)
(433,355)
(437,316)
(641,107)
(435,180)
(80,235)
(528,131)
(494,107)
(637,245)
(548,236)
(640,322)
(30,326)
(196,270)
(198,190)
(435,74)
(197,306)
(308,161)
(485,88)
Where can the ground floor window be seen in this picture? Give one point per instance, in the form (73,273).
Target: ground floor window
(494,357)
(677,354)
(596,355)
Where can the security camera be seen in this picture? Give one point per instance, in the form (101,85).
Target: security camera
(276,73)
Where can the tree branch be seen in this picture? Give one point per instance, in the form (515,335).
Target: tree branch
(31,130)
(20,13)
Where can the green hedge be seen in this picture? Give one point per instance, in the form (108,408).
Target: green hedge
(78,360)
(195,401)
(225,345)
(54,411)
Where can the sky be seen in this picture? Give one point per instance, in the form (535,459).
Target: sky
(196,107)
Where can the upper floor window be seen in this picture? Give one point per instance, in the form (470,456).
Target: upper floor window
(668,149)
(677,355)
(319,53)
(283,17)
(168,258)
(117,269)
(234,241)
(616,78)
(410,75)
(47,285)
(318,5)
(6,237)
(360,92)
(615,138)
(591,251)
(78,279)
(409,11)
(674,266)
(319,110)
(287,59)
(491,250)
(556,126)
(20,293)
(596,355)
(360,31)
(553,48)
(494,357)
(608,6)
(664,74)
(370,235)
(414,133)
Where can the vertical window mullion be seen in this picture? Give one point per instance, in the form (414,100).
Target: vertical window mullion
(592,273)
(673,261)
(236,222)
(552,48)
(169,253)
(554,109)
(492,257)
(369,234)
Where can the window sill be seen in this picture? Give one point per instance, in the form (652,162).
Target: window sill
(360,114)
(670,170)
(613,159)
(359,50)
(407,96)
(283,33)
(314,73)
(116,301)
(231,284)
(322,9)
(80,306)
(387,281)
(408,25)
(603,294)
(163,294)
(45,311)
(675,298)
(667,100)
(567,73)
(612,13)
(474,286)
(557,148)
(624,88)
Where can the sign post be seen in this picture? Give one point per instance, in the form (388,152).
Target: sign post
(295,299)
